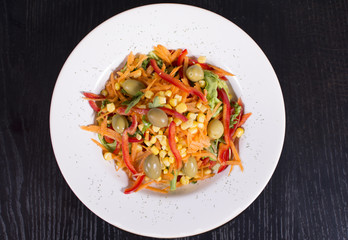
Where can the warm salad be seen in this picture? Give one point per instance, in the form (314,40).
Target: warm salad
(168,120)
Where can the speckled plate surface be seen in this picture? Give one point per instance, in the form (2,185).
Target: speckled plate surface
(195,208)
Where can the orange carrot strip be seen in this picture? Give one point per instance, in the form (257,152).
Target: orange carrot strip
(243,119)
(99,145)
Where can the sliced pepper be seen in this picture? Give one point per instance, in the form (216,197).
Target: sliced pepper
(177,82)
(223,156)
(125,141)
(172,145)
(173,113)
(136,185)
(181,57)
(134,140)
(226,115)
(94,106)
(203,65)
(93,96)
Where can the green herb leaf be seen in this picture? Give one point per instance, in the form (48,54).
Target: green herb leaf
(146,123)
(173,181)
(109,146)
(124,68)
(150,56)
(131,103)
(237,110)
(155,103)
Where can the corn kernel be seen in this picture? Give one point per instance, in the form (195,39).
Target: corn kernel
(168,106)
(165,171)
(191,116)
(139,148)
(239,132)
(171,159)
(110,107)
(140,126)
(117,86)
(164,142)
(202,108)
(154,150)
(161,93)
(187,124)
(162,154)
(136,73)
(176,139)
(200,117)
(178,97)
(162,100)
(181,107)
(201,59)
(163,166)
(193,130)
(200,125)
(207,171)
(184,180)
(104,92)
(159,179)
(160,132)
(199,104)
(148,143)
(170,153)
(166,162)
(147,179)
(179,146)
(201,83)
(177,121)
(168,93)
(195,124)
(173,102)
(182,150)
(108,156)
(155,129)
(183,154)
(149,94)
(170,119)
(153,140)
(164,147)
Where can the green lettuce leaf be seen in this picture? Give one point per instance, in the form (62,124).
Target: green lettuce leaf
(131,103)
(109,146)
(150,56)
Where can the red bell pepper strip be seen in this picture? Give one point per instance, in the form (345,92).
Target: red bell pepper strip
(136,185)
(172,145)
(141,111)
(93,96)
(176,82)
(198,93)
(125,141)
(181,58)
(223,156)
(131,130)
(181,61)
(173,113)
(169,78)
(203,65)
(134,140)
(226,114)
(238,118)
(243,119)
(94,106)
(108,140)
(223,78)
(125,152)
(117,148)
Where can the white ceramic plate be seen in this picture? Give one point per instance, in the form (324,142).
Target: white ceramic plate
(197,208)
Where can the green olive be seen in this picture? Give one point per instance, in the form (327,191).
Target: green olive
(157,117)
(119,123)
(132,86)
(152,167)
(215,129)
(195,73)
(190,167)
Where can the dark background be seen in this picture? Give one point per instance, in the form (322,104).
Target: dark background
(307,44)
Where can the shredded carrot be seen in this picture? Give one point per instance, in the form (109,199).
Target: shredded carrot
(99,145)
(243,119)
(220,70)
(144,185)
(157,189)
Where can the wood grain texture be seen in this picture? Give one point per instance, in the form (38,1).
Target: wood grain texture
(307,44)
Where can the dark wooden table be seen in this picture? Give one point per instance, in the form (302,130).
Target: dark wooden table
(307,44)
